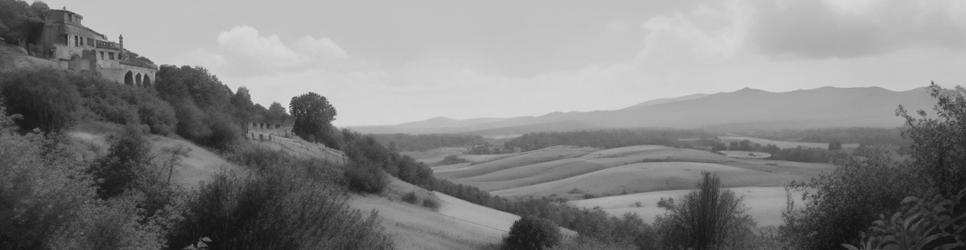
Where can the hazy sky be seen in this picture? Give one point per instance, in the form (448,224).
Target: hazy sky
(383,62)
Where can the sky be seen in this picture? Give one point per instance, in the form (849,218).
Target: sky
(388,62)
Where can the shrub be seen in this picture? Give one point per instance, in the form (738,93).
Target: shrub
(709,218)
(365,178)
(117,171)
(431,204)
(938,147)
(124,104)
(933,223)
(47,201)
(840,204)
(532,233)
(279,211)
(191,122)
(451,159)
(410,197)
(224,135)
(43,98)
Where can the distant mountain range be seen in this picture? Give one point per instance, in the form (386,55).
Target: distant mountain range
(743,109)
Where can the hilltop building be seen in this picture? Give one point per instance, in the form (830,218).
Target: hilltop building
(75,47)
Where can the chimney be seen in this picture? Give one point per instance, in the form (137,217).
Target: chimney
(120,41)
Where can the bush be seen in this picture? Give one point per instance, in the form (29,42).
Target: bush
(451,159)
(411,198)
(43,98)
(117,171)
(532,233)
(365,178)
(934,223)
(431,204)
(709,218)
(224,135)
(938,147)
(840,204)
(123,104)
(47,201)
(283,210)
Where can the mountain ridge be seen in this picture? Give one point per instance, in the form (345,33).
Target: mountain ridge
(747,108)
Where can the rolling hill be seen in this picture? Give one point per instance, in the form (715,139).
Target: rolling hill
(746,109)
(630,179)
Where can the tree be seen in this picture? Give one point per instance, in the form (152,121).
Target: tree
(838,205)
(242,103)
(939,144)
(834,145)
(532,233)
(313,116)
(709,218)
(19,21)
(276,113)
(117,171)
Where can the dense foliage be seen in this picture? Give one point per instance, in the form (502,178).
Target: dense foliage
(20,22)
(931,223)
(531,233)
(939,144)
(51,100)
(204,106)
(44,98)
(118,171)
(313,116)
(48,201)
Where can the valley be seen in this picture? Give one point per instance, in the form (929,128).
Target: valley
(628,179)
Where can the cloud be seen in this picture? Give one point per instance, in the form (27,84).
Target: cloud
(243,50)
(805,29)
(715,47)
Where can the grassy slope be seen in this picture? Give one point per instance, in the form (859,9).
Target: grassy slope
(198,165)
(456,225)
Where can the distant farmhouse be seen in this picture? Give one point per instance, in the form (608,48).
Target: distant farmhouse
(72,46)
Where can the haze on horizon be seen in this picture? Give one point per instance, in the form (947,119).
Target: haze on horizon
(387,62)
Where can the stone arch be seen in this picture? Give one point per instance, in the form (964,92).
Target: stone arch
(137,79)
(129,78)
(146,81)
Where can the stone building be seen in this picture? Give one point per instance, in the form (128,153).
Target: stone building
(263,131)
(75,47)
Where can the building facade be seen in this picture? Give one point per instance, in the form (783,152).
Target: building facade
(76,47)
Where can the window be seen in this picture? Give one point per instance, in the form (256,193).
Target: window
(90,42)
(102,55)
(76,42)
(110,55)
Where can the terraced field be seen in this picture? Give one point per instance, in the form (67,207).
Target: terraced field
(628,175)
